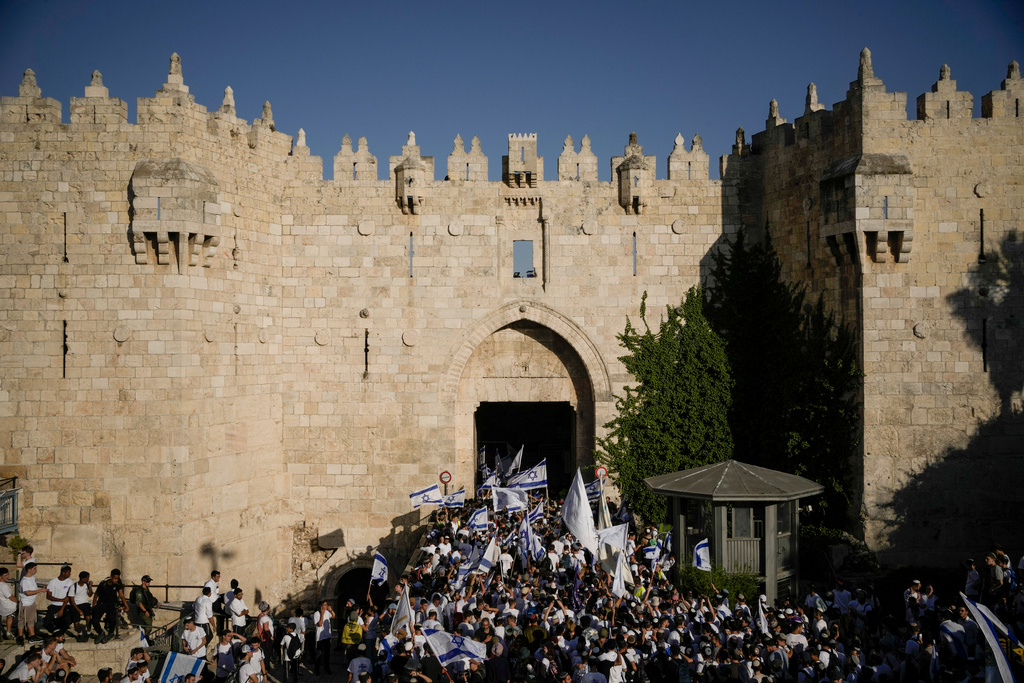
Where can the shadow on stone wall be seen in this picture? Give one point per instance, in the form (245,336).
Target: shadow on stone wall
(970,498)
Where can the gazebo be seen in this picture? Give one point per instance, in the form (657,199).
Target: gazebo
(749,513)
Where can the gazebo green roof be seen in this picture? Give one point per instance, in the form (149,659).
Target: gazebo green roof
(734,482)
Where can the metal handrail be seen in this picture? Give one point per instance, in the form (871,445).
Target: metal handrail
(11,482)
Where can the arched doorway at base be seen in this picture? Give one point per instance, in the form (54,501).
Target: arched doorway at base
(355,584)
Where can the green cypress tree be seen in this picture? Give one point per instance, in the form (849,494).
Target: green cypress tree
(676,415)
(795,402)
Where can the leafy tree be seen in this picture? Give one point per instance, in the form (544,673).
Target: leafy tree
(675,417)
(795,402)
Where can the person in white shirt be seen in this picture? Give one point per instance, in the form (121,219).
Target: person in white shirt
(80,603)
(8,603)
(203,610)
(58,592)
(248,672)
(193,640)
(28,589)
(213,583)
(30,669)
(238,610)
(291,653)
(322,652)
(359,664)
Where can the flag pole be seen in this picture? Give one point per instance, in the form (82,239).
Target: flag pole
(443,667)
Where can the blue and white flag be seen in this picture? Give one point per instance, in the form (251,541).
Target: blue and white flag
(490,481)
(466,567)
(702,556)
(454,500)
(530,547)
(142,638)
(537,513)
(177,666)
(652,553)
(511,464)
(451,648)
(534,478)
(489,558)
(514,500)
(428,496)
(993,629)
(593,490)
(403,619)
(481,457)
(478,520)
(379,573)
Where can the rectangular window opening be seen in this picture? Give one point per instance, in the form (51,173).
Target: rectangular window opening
(158,208)
(808,236)
(947,109)
(522,259)
(518,182)
(522,154)
(981,236)
(636,205)
(529,179)
(467,171)
(353,170)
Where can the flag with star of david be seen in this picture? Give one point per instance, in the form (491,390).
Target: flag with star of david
(454,500)
(534,478)
(428,496)
(451,648)
(593,490)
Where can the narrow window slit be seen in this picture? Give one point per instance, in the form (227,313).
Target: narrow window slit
(885,208)
(411,252)
(158,208)
(64,347)
(366,352)
(981,236)
(65,237)
(634,254)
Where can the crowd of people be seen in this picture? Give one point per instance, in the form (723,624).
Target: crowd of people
(548,610)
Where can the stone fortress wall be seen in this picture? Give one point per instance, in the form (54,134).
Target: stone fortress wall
(211,355)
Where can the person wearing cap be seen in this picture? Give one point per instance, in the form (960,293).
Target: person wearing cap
(145,604)
(58,592)
(28,589)
(359,663)
(249,671)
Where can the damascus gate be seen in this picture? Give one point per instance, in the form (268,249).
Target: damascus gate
(212,356)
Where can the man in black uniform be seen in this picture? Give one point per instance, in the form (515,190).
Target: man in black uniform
(107,599)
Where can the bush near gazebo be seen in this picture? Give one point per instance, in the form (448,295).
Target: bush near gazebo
(692,579)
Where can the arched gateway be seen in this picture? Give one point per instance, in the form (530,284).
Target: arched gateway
(526,375)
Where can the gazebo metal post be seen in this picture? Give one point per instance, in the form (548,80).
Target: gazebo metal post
(721,525)
(771,552)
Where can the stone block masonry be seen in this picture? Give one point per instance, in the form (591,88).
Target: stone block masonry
(208,350)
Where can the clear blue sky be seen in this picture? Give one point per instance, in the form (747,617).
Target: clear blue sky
(488,68)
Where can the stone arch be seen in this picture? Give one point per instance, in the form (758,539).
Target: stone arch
(562,367)
(515,311)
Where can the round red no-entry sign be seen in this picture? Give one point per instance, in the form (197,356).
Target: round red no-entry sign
(446,477)
(601,472)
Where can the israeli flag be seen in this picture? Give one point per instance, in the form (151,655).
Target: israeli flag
(428,496)
(451,648)
(490,482)
(537,513)
(379,573)
(702,556)
(142,639)
(534,478)
(454,500)
(481,458)
(593,490)
(489,558)
(652,553)
(478,520)
(177,666)
(514,500)
(992,628)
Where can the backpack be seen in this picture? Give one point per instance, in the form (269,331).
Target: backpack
(294,648)
(1010,579)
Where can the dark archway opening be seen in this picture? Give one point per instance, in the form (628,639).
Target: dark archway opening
(545,430)
(355,584)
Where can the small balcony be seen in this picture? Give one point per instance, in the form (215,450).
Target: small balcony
(9,505)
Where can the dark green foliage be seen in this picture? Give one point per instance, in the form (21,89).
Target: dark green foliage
(675,417)
(700,582)
(795,403)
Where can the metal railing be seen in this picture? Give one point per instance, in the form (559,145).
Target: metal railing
(9,505)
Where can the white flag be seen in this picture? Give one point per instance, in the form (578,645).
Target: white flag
(177,666)
(379,573)
(604,518)
(403,615)
(762,620)
(428,496)
(577,517)
(615,536)
(515,500)
(516,463)
(702,556)
(619,581)
(450,648)
(454,500)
